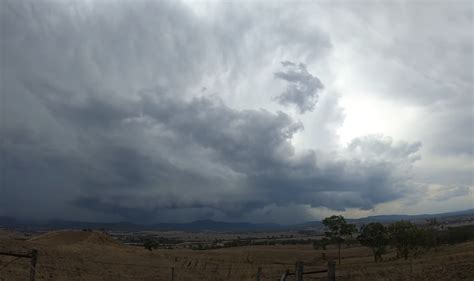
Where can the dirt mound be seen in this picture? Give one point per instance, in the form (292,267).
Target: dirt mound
(71,237)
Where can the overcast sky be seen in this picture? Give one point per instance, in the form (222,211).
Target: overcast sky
(272,111)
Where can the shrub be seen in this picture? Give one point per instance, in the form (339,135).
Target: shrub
(375,236)
(150,245)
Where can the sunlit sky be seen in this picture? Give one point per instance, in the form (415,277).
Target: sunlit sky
(261,111)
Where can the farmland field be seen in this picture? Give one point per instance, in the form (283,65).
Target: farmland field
(80,255)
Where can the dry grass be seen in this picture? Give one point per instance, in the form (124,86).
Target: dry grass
(93,256)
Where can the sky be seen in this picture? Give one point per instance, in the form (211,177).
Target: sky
(270,111)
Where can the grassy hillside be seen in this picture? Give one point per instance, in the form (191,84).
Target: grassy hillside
(76,255)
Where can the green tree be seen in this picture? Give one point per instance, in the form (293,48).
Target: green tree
(432,222)
(150,245)
(320,244)
(453,235)
(408,239)
(375,236)
(426,238)
(401,237)
(432,228)
(338,230)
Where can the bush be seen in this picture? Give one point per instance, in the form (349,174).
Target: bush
(375,236)
(150,245)
(456,234)
(408,239)
(321,244)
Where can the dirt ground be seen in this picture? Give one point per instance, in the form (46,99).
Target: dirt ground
(80,255)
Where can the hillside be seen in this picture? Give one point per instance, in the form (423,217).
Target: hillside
(71,237)
(72,255)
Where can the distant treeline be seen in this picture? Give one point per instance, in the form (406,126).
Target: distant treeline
(408,239)
(454,235)
(158,240)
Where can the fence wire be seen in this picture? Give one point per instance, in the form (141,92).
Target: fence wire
(182,269)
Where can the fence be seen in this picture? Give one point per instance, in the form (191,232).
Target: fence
(299,272)
(33,256)
(178,272)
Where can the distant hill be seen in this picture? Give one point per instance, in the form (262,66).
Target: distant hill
(391,218)
(195,226)
(209,225)
(70,237)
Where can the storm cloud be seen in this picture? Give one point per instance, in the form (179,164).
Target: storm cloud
(302,90)
(162,152)
(158,111)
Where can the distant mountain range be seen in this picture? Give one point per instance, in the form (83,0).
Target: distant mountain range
(210,225)
(391,218)
(195,226)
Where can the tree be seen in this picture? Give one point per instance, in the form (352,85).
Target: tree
(432,228)
(432,222)
(338,230)
(401,237)
(408,239)
(426,238)
(457,234)
(150,245)
(375,236)
(320,244)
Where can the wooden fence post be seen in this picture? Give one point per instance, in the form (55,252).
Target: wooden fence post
(299,268)
(283,277)
(331,271)
(34,257)
(259,273)
(172,274)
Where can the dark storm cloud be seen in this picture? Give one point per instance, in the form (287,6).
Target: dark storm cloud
(302,89)
(97,115)
(197,148)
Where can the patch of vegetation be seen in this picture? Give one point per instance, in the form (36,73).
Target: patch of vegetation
(321,244)
(338,231)
(454,235)
(151,244)
(375,236)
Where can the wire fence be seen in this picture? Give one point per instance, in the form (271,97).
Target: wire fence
(33,255)
(77,268)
